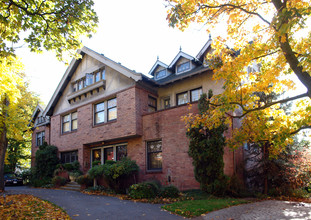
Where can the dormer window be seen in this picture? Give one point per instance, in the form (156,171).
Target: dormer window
(160,74)
(183,67)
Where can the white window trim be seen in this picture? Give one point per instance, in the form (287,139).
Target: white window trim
(102,152)
(105,111)
(190,67)
(70,122)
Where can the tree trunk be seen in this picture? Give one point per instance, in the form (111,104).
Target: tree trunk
(3,141)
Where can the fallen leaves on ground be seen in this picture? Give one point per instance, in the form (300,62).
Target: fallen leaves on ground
(29,207)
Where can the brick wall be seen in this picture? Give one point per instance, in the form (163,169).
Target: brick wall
(34,148)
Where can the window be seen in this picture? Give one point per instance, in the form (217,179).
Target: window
(97,76)
(104,74)
(75,87)
(152,104)
(69,157)
(80,84)
(40,138)
(89,79)
(154,155)
(195,94)
(183,67)
(100,109)
(182,98)
(99,113)
(113,152)
(70,122)
(161,74)
(112,109)
(167,102)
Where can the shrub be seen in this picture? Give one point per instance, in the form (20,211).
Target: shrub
(27,175)
(59,181)
(169,192)
(46,161)
(118,174)
(84,180)
(40,182)
(145,190)
(68,166)
(95,163)
(96,171)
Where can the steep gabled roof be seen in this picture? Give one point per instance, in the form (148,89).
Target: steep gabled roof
(206,46)
(72,67)
(178,56)
(154,67)
(36,113)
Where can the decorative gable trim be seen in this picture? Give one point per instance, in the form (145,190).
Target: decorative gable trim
(72,67)
(178,56)
(202,52)
(155,66)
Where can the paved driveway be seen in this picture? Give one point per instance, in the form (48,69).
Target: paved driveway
(83,206)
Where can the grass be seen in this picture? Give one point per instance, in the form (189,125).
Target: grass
(193,208)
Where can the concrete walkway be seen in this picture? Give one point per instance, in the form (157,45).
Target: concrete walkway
(84,207)
(265,210)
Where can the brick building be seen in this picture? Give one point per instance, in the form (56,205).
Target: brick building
(102,110)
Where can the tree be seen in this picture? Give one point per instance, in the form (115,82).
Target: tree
(51,25)
(206,148)
(272,35)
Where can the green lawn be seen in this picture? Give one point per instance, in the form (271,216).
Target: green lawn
(193,208)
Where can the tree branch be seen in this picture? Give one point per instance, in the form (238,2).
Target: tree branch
(240,7)
(301,128)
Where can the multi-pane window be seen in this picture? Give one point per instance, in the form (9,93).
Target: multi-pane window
(104,74)
(195,94)
(105,111)
(70,122)
(113,152)
(183,67)
(89,79)
(161,74)
(40,137)
(154,155)
(152,104)
(80,84)
(99,110)
(182,98)
(69,157)
(112,109)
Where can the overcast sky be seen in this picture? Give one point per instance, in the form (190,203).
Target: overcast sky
(132,32)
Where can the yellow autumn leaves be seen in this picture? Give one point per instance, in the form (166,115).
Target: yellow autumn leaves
(29,207)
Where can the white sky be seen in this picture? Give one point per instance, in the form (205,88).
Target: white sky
(132,32)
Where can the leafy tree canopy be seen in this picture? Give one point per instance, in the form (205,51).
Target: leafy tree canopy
(45,24)
(272,35)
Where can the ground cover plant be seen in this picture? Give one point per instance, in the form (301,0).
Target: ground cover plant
(29,207)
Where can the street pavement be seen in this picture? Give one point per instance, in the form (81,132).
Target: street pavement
(84,207)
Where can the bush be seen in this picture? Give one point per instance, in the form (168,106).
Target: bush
(169,192)
(84,180)
(118,174)
(96,171)
(145,190)
(59,181)
(46,161)
(40,182)
(96,163)
(27,175)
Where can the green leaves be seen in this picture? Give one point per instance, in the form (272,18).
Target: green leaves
(50,25)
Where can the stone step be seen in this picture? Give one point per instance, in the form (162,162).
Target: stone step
(71,186)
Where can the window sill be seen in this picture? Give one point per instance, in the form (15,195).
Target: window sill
(105,123)
(69,132)
(153,171)
(87,89)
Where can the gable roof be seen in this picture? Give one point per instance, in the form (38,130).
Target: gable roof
(206,46)
(71,70)
(178,56)
(154,67)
